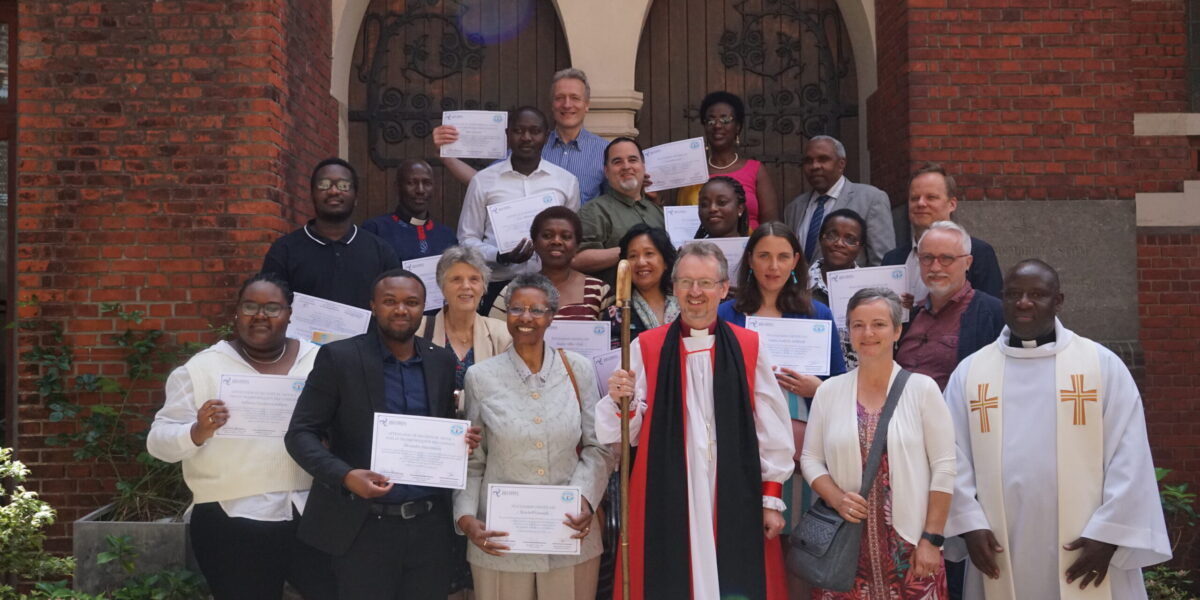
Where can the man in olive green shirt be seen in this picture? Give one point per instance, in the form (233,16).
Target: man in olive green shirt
(608,216)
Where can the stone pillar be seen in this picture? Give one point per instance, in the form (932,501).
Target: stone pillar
(603,38)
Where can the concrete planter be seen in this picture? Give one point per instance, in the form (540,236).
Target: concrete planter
(160,545)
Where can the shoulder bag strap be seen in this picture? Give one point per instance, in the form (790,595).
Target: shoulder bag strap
(875,456)
(571,373)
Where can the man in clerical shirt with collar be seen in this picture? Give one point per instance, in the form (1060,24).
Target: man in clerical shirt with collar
(330,257)
(387,540)
(1056,494)
(824,168)
(623,205)
(411,230)
(955,319)
(523,174)
(933,197)
(568,145)
(714,380)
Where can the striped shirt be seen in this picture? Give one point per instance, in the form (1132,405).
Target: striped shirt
(583,157)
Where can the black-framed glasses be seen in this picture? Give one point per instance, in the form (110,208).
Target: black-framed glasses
(271,309)
(945,259)
(850,241)
(704,284)
(342,185)
(721,121)
(536,312)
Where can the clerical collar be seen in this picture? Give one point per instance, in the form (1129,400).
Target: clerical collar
(402,215)
(1041,340)
(685,331)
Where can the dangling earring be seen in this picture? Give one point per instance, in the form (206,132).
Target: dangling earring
(794,280)
(749,270)
(738,140)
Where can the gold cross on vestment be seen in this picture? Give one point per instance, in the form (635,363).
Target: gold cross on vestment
(1079,396)
(982,404)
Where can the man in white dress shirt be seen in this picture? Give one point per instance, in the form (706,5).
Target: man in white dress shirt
(523,174)
(710,405)
(1056,495)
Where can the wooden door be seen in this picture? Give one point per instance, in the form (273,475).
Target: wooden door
(417,58)
(789,60)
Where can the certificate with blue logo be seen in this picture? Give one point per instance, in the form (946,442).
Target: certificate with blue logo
(259,405)
(533,517)
(843,284)
(588,338)
(420,450)
(676,164)
(480,134)
(801,345)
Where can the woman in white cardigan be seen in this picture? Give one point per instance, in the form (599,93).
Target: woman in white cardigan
(247,492)
(906,508)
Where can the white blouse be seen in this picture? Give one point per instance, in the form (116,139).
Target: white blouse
(920,445)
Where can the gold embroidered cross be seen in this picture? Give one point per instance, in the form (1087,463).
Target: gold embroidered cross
(982,404)
(1079,396)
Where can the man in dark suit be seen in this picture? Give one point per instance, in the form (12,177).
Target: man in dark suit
(933,197)
(824,165)
(388,541)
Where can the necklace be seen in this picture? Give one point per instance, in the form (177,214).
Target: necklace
(243,352)
(723,167)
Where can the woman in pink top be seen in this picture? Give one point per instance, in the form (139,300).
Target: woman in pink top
(723,115)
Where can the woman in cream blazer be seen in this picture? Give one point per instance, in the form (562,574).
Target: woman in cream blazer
(905,510)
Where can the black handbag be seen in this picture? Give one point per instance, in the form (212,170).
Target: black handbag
(824,547)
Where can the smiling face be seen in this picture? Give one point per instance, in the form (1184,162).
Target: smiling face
(526,136)
(260,331)
(1031,300)
(463,287)
(943,281)
(773,260)
(646,262)
(928,201)
(415,184)
(624,169)
(698,306)
(721,128)
(397,304)
(525,328)
(719,209)
(333,204)
(872,332)
(838,254)
(570,102)
(822,167)
(555,243)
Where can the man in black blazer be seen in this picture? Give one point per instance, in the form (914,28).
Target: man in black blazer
(933,197)
(388,541)
(824,168)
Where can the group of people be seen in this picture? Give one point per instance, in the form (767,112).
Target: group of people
(1051,497)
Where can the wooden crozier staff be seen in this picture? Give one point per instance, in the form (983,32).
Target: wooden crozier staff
(624,283)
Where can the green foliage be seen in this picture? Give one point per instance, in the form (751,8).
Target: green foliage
(23,517)
(1177,502)
(161,585)
(121,551)
(1165,583)
(113,432)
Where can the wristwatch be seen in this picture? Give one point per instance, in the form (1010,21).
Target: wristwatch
(935,539)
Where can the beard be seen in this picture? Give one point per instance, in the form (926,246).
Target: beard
(629,185)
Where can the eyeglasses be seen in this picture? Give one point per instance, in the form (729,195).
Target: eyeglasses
(705,284)
(343,185)
(851,241)
(945,259)
(536,312)
(721,121)
(271,309)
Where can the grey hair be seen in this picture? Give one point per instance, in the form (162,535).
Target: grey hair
(572,73)
(461,254)
(535,281)
(872,294)
(838,147)
(949,226)
(703,249)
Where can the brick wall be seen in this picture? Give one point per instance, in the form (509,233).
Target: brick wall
(888,107)
(162,146)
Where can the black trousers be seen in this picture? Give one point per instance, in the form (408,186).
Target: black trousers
(245,559)
(394,558)
(489,298)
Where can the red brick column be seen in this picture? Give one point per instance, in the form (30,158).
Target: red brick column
(162,145)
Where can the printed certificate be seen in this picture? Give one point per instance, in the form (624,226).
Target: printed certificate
(510,221)
(532,516)
(588,338)
(259,405)
(426,269)
(480,134)
(420,450)
(676,164)
(316,315)
(802,345)
(842,285)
